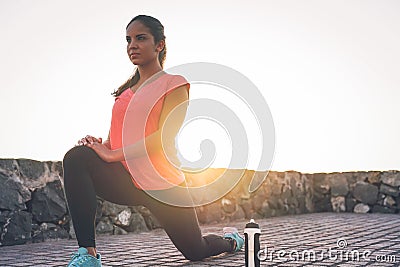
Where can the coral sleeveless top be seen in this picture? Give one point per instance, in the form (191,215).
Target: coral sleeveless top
(136,115)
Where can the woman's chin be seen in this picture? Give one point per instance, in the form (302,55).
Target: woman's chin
(135,61)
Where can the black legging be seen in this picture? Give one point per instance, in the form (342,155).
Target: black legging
(87,175)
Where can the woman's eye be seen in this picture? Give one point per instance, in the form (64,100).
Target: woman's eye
(128,40)
(140,38)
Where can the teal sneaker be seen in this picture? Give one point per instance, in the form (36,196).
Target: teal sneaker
(83,259)
(232,233)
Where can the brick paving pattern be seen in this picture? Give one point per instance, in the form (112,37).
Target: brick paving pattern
(320,239)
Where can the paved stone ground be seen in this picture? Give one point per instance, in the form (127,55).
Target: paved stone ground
(320,239)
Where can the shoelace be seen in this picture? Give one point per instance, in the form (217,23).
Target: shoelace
(74,256)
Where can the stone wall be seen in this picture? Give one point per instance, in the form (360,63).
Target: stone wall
(33,207)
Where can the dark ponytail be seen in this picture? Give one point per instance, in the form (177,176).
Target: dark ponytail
(157,30)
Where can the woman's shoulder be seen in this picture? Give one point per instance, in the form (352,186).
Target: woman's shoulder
(170,77)
(175,80)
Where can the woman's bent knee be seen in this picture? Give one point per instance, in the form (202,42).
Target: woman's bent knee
(77,158)
(193,256)
(193,253)
(77,153)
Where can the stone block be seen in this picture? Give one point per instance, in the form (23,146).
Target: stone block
(381,197)
(13,194)
(295,183)
(388,190)
(99,210)
(111,209)
(365,193)
(361,208)
(119,231)
(389,201)
(238,214)
(105,226)
(8,167)
(256,216)
(49,232)
(150,220)
(257,201)
(136,224)
(374,177)
(210,213)
(228,205)
(273,203)
(338,203)
(48,203)
(320,184)
(391,178)
(56,166)
(381,209)
(31,169)
(338,184)
(354,177)
(350,203)
(322,204)
(35,174)
(266,210)
(123,218)
(15,227)
(71,231)
(246,205)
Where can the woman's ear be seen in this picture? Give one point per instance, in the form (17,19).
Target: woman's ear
(160,46)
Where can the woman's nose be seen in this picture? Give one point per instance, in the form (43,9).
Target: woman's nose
(132,44)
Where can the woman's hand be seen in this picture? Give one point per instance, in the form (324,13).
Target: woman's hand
(103,151)
(89,140)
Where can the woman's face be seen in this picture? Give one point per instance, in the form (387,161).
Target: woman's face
(140,47)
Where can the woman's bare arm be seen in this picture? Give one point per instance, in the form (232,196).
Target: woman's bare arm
(107,142)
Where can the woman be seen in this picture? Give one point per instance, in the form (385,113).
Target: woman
(120,176)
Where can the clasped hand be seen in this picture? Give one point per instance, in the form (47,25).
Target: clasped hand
(96,144)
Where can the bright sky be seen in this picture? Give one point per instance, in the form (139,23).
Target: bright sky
(329,71)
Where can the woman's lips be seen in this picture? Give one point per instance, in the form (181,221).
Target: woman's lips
(134,55)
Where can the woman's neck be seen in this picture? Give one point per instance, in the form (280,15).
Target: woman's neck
(148,70)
